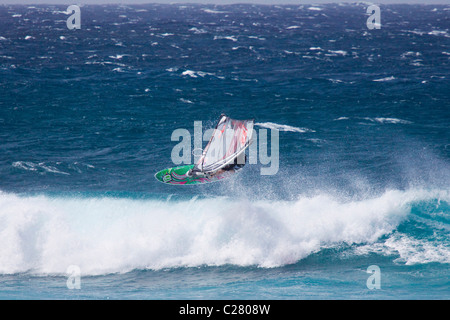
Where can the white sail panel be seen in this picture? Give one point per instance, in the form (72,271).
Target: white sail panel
(230,138)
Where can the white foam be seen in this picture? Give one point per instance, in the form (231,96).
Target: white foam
(411,251)
(197,31)
(418,32)
(341,118)
(185,100)
(411,53)
(196,74)
(388,120)
(282,127)
(190,73)
(212,11)
(118,56)
(417,63)
(232,38)
(45,235)
(118,69)
(40,167)
(438,33)
(385,79)
(338,52)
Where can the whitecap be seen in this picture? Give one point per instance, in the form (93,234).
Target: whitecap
(416,64)
(411,53)
(189,73)
(118,56)
(418,32)
(197,31)
(411,251)
(338,52)
(160,234)
(255,37)
(26,165)
(438,33)
(335,80)
(291,52)
(40,167)
(196,74)
(212,11)
(232,38)
(282,127)
(385,79)
(185,101)
(388,120)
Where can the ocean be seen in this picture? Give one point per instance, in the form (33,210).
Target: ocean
(357,208)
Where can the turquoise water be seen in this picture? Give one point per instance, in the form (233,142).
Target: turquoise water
(86,118)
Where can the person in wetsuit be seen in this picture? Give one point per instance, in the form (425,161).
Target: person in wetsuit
(235,165)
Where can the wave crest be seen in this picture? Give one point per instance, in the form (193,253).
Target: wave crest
(45,235)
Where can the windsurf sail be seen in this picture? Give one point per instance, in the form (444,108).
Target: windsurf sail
(229,140)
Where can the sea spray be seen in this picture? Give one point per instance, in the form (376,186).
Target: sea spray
(44,235)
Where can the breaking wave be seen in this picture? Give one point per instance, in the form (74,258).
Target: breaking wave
(45,235)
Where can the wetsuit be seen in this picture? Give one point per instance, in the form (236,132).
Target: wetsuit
(234,165)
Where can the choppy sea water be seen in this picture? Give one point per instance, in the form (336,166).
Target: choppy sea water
(86,119)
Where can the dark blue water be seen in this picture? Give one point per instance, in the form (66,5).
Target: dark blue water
(86,118)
